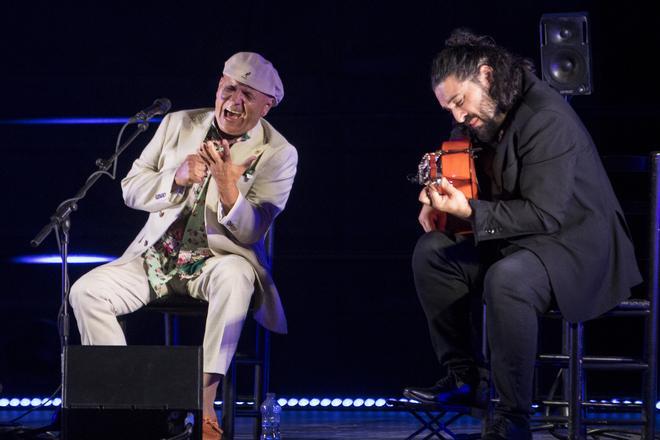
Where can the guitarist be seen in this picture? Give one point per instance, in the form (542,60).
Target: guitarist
(551,231)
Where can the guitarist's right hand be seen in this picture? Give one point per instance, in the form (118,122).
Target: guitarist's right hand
(444,197)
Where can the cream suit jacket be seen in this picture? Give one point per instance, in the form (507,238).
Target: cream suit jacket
(263,195)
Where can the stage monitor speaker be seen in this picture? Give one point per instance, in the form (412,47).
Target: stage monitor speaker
(566,52)
(131,391)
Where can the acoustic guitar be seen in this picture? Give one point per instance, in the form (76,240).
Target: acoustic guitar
(454,161)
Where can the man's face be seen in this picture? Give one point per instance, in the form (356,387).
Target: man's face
(471,104)
(238,107)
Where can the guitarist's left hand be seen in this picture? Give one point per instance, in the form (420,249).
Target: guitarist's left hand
(446,198)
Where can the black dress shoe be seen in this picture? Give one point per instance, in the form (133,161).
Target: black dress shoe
(452,389)
(501,427)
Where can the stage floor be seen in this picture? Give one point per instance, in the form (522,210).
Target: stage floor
(328,424)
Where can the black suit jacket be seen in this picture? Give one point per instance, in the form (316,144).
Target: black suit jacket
(551,195)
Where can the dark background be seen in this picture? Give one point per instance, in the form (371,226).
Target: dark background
(358,107)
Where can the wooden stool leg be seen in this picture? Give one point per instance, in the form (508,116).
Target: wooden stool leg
(653,284)
(576,427)
(228,399)
(167,328)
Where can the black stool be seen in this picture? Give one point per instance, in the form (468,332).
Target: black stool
(574,361)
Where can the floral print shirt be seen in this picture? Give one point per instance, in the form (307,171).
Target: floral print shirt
(182,250)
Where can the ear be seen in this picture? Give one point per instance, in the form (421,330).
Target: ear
(266,108)
(486,75)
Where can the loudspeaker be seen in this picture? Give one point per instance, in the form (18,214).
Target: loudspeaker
(141,392)
(566,52)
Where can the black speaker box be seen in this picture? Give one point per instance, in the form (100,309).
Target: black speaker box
(566,52)
(131,392)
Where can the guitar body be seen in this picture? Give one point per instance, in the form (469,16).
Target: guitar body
(455,162)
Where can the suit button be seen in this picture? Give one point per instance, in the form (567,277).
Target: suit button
(161,213)
(146,243)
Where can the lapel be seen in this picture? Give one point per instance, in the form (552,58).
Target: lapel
(505,162)
(192,134)
(254,145)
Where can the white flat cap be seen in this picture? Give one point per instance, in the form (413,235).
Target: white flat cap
(257,72)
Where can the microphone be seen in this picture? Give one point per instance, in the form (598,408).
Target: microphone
(159,107)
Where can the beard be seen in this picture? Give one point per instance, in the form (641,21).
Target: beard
(490,116)
(487,132)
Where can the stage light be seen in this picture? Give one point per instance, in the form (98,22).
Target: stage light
(380,402)
(314,402)
(69,121)
(657,405)
(35,402)
(358,403)
(25,401)
(292,402)
(57,401)
(282,402)
(303,402)
(4,402)
(325,402)
(336,402)
(369,403)
(57,259)
(14,402)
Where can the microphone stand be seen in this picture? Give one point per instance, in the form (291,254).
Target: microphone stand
(60,223)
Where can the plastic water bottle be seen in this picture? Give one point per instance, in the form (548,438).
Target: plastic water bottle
(270,418)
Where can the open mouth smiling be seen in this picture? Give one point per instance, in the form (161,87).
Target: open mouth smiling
(233,114)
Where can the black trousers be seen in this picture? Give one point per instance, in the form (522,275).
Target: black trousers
(453,277)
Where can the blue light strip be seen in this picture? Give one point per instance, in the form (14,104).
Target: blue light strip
(69,121)
(57,259)
(329,403)
(295,403)
(25,402)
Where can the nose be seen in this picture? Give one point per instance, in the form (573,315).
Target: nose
(459,114)
(238,97)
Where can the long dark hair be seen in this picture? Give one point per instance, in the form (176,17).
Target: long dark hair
(465,52)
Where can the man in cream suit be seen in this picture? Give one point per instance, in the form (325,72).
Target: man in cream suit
(212,181)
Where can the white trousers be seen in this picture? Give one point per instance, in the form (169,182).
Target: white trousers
(108,291)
